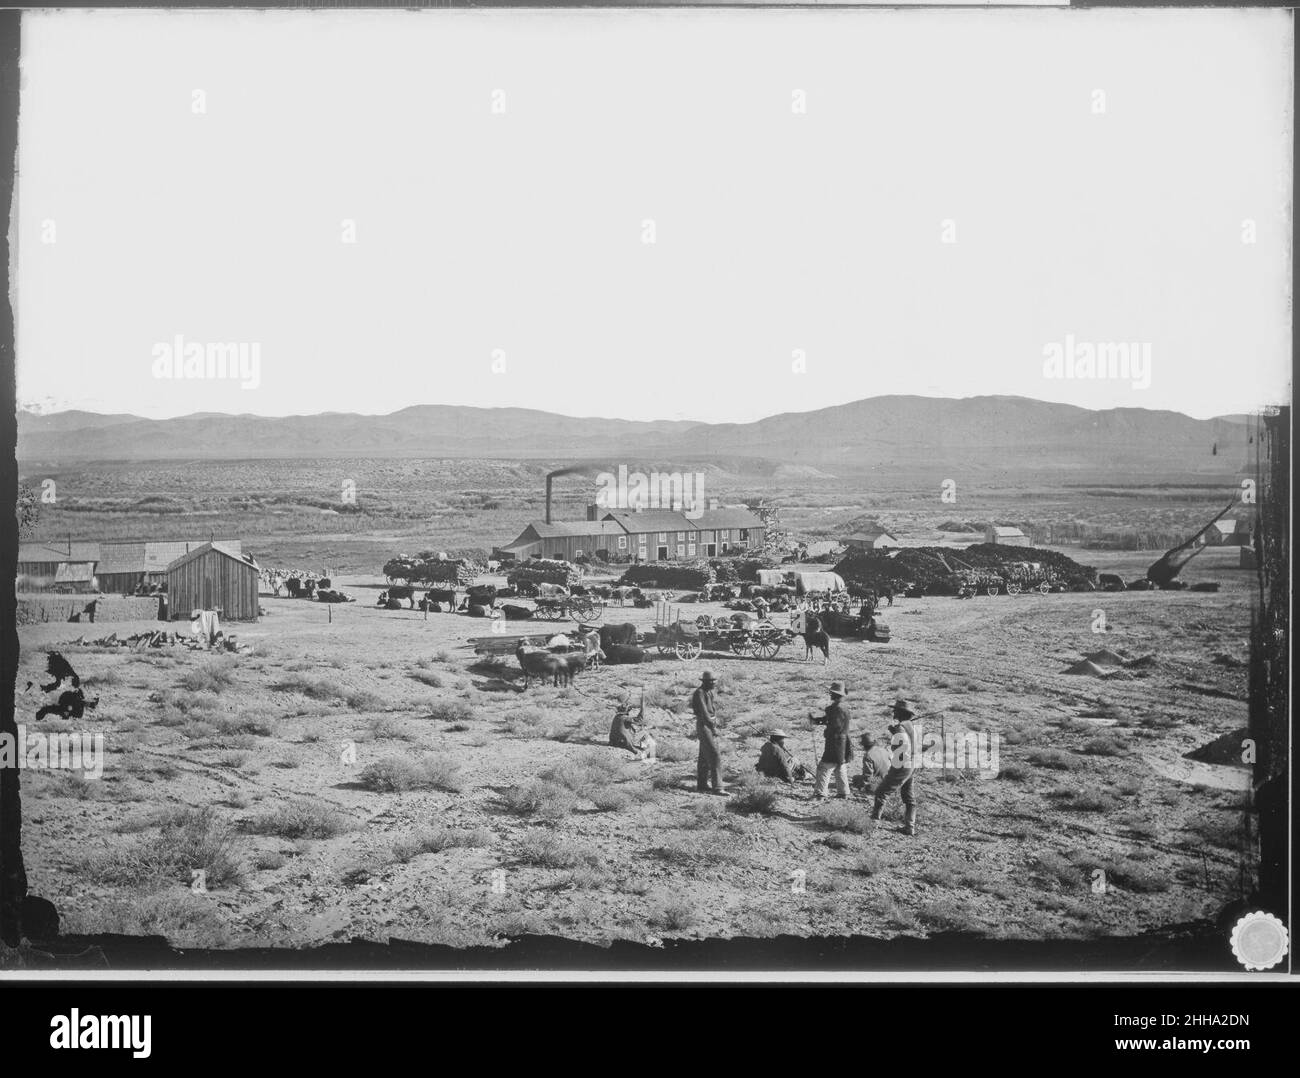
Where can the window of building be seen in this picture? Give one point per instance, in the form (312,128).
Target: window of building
(681,537)
(663,537)
(681,550)
(622,542)
(725,533)
(744,535)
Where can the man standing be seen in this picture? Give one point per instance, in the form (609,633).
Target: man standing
(839,749)
(777,762)
(708,767)
(905,754)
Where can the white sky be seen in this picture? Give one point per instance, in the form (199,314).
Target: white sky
(775,231)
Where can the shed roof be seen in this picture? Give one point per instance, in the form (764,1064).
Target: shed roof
(736,517)
(54,551)
(652,520)
(218,547)
(870,535)
(74,572)
(122,558)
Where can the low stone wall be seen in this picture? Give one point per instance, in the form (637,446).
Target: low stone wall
(34,609)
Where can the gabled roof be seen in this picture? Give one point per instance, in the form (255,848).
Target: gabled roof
(738,517)
(220,548)
(55,551)
(870,535)
(539,531)
(158,557)
(652,520)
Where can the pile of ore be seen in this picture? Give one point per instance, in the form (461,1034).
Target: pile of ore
(692,577)
(545,571)
(941,570)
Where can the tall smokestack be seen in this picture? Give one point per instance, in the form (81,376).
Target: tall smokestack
(572,469)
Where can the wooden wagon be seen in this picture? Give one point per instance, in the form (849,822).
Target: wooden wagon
(688,640)
(577,607)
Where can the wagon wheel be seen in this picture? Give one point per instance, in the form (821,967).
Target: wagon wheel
(992,589)
(766,645)
(1044,588)
(582,608)
(740,643)
(1013,589)
(688,649)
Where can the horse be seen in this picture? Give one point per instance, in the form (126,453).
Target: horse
(814,636)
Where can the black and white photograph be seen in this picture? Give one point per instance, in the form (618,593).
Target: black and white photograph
(668,488)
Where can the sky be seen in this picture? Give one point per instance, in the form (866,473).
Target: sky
(394,208)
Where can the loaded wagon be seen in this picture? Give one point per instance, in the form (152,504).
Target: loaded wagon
(689,639)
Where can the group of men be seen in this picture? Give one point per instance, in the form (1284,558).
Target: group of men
(884,770)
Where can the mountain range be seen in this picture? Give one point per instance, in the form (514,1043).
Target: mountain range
(929,433)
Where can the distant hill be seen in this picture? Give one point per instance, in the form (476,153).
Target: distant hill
(1006,434)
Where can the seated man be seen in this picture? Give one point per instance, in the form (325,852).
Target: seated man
(627,731)
(777,762)
(875,764)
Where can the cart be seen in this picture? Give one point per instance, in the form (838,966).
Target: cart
(688,640)
(577,607)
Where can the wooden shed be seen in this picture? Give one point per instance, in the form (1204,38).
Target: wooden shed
(213,577)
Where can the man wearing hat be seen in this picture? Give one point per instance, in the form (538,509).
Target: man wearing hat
(777,762)
(708,767)
(839,748)
(904,756)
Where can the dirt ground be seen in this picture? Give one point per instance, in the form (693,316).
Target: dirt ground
(356,774)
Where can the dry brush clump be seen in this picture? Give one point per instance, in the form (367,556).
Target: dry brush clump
(755,798)
(454,711)
(299,819)
(437,839)
(188,840)
(396,774)
(672,912)
(214,677)
(539,798)
(329,690)
(847,817)
(177,915)
(549,850)
(1054,759)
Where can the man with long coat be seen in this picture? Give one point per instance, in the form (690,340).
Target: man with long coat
(708,767)
(839,748)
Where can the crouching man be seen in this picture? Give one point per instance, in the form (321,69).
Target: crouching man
(875,765)
(628,731)
(777,762)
